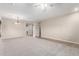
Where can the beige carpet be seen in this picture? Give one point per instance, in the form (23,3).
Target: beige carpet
(29,46)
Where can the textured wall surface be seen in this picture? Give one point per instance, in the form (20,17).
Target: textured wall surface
(12,30)
(62,28)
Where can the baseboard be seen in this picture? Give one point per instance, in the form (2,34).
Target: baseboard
(61,41)
(11,38)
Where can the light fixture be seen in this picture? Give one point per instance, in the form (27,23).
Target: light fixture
(44,6)
(41,5)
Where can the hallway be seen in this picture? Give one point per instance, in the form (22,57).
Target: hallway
(29,46)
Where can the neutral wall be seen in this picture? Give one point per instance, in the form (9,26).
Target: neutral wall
(62,28)
(12,30)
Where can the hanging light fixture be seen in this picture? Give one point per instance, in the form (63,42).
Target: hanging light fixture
(41,5)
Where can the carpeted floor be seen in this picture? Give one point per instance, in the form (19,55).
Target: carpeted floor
(29,46)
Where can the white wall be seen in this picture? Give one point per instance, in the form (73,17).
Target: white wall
(12,30)
(63,28)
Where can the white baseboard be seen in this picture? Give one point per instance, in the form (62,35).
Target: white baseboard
(63,41)
(12,38)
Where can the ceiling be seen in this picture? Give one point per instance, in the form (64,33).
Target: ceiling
(34,12)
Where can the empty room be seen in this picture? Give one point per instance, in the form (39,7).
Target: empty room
(39,29)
